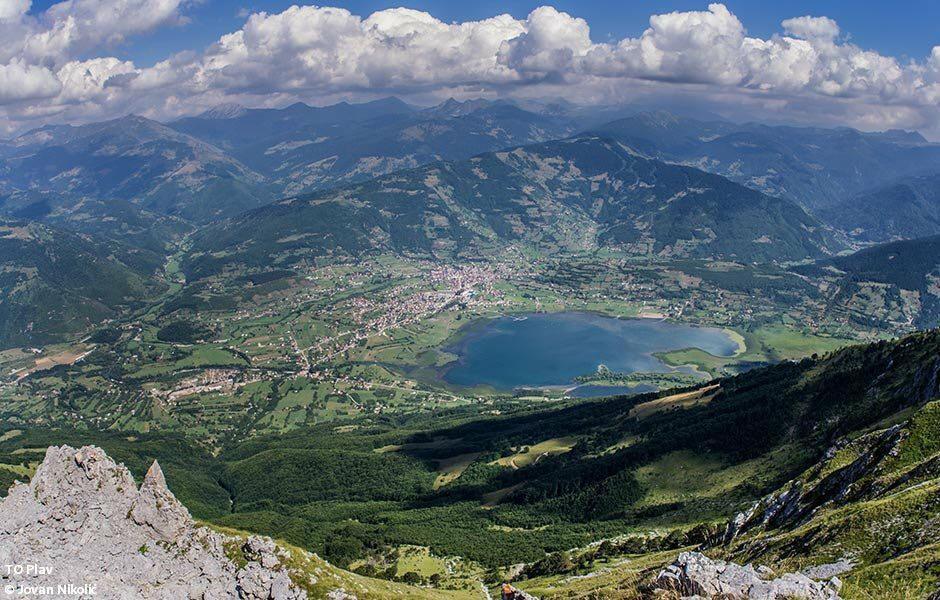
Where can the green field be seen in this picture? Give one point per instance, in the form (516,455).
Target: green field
(766,345)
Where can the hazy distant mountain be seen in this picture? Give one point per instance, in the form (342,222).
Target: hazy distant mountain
(135,159)
(817,167)
(113,219)
(229,110)
(303,148)
(579,193)
(243,128)
(230,158)
(907,208)
(456,108)
(54,282)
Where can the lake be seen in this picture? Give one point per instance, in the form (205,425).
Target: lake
(551,349)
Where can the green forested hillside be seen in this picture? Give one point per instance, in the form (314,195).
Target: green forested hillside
(909,208)
(902,272)
(580,193)
(656,462)
(152,235)
(53,282)
(905,263)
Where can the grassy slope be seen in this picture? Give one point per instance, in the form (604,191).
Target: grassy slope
(330,490)
(886,525)
(887,522)
(318,578)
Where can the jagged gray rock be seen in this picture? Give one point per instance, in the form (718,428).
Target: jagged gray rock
(82,522)
(799,500)
(695,575)
(829,570)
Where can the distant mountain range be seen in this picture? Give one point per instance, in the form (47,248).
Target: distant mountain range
(580,193)
(230,158)
(302,149)
(135,159)
(820,168)
(260,187)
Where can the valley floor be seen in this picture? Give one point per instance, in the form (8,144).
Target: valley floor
(308,404)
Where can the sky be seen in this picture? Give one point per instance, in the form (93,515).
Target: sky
(870,65)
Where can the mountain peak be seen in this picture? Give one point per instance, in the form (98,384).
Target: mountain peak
(456,108)
(142,542)
(902,135)
(154,476)
(226,110)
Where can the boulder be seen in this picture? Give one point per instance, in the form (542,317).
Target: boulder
(695,575)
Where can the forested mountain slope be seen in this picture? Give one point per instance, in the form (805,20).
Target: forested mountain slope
(579,193)
(135,159)
(908,208)
(905,273)
(53,282)
(819,168)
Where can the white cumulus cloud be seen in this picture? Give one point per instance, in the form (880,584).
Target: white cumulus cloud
(20,82)
(807,71)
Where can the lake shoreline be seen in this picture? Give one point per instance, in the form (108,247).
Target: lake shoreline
(568,344)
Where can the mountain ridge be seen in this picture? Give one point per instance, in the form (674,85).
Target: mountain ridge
(582,192)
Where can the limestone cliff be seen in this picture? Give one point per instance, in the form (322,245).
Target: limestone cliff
(81,528)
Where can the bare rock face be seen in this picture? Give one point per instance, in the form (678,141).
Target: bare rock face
(799,501)
(82,528)
(694,575)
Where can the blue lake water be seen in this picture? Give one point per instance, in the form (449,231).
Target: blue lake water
(548,349)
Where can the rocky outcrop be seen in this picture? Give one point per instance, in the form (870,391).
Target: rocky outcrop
(82,524)
(694,575)
(801,499)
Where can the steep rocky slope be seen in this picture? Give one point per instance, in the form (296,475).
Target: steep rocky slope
(870,509)
(695,575)
(83,524)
